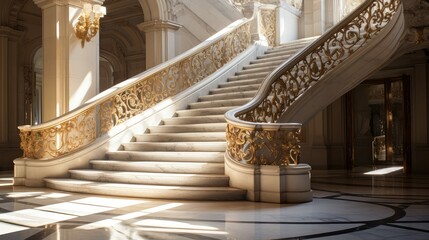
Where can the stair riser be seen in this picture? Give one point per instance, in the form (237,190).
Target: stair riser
(178,147)
(209,127)
(235,89)
(255,70)
(151,179)
(233,83)
(210,157)
(205,137)
(244,79)
(248,94)
(190,120)
(167,193)
(159,167)
(203,112)
(265,60)
(219,103)
(273,64)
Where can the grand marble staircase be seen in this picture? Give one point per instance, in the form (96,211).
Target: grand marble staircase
(183,158)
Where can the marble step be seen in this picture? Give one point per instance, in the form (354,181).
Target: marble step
(182,137)
(202,127)
(219,103)
(205,157)
(224,96)
(303,42)
(194,120)
(294,48)
(273,64)
(255,70)
(265,60)
(171,179)
(280,52)
(147,191)
(248,76)
(234,89)
(203,111)
(160,167)
(176,146)
(242,82)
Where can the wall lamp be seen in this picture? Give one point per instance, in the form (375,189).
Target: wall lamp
(89,22)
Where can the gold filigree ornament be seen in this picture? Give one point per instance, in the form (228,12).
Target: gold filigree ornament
(79,128)
(267,146)
(267,24)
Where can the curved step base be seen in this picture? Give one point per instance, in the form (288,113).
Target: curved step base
(147,191)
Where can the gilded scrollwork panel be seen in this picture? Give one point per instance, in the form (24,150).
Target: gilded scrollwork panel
(267,25)
(281,147)
(262,146)
(296,79)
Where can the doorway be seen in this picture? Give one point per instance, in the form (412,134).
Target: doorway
(378,124)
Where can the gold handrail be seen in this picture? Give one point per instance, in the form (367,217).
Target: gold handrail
(81,127)
(253,137)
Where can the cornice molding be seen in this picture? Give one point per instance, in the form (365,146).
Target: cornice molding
(10,33)
(157,25)
(43,4)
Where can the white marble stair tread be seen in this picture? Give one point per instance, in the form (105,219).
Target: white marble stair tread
(280,52)
(264,60)
(168,156)
(199,127)
(219,103)
(264,64)
(285,49)
(243,82)
(203,111)
(149,178)
(147,191)
(290,45)
(248,76)
(302,42)
(225,96)
(277,55)
(258,71)
(181,137)
(266,69)
(235,89)
(176,146)
(195,119)
(160,167)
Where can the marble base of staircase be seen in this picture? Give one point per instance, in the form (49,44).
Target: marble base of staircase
(276,184)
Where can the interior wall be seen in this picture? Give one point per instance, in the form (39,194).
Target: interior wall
(200,20)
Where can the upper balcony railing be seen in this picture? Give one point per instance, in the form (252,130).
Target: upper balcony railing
(254,135)
(93,120)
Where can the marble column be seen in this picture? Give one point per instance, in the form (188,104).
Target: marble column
(70,72)
(160,41)
(8,83)
(3,88)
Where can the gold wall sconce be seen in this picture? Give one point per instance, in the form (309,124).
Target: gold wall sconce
(89,22)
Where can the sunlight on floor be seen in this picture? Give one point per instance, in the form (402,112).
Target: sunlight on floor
(384,171)
(118,219)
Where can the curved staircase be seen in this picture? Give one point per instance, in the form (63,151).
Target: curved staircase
(184,157)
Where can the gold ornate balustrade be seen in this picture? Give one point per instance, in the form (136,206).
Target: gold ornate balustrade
(81,127)
(253,136)
(267,25)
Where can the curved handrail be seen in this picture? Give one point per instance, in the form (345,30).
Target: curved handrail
(252,135)
(82,126)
